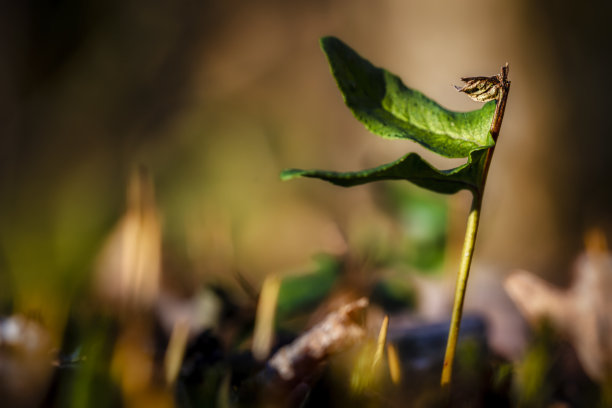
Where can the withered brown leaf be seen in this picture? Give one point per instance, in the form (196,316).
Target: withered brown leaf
(481,88)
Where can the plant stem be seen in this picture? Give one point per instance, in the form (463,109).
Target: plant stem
(462,277)
(470,235)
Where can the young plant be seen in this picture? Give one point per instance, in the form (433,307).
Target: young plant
(389,109)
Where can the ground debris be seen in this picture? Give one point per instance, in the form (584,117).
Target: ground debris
(582,312)
(338,331)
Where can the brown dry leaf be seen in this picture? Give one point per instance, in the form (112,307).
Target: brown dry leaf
(582,312)
(337,332)
(128,272)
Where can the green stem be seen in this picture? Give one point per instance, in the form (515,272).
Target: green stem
(470,235)
(462,277)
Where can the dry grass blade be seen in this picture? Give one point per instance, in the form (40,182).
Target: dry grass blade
(382,339)
(264,321)
(395,368)
(176,349)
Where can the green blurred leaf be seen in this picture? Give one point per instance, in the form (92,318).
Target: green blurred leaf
(299,294)
(411,167)
(389,109)
(88,383)
(394,295)
(423,221)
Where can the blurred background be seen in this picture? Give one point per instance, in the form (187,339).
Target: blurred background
(215,98)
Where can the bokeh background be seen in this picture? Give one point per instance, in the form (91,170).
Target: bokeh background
(215,98)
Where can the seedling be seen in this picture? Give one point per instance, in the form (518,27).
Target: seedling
(391,110)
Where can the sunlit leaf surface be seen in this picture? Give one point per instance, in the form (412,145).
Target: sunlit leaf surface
(389,109)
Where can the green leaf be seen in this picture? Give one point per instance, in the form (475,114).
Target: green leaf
(411,167)
(299,294)
(423,220)
(389,109)
(394,294)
